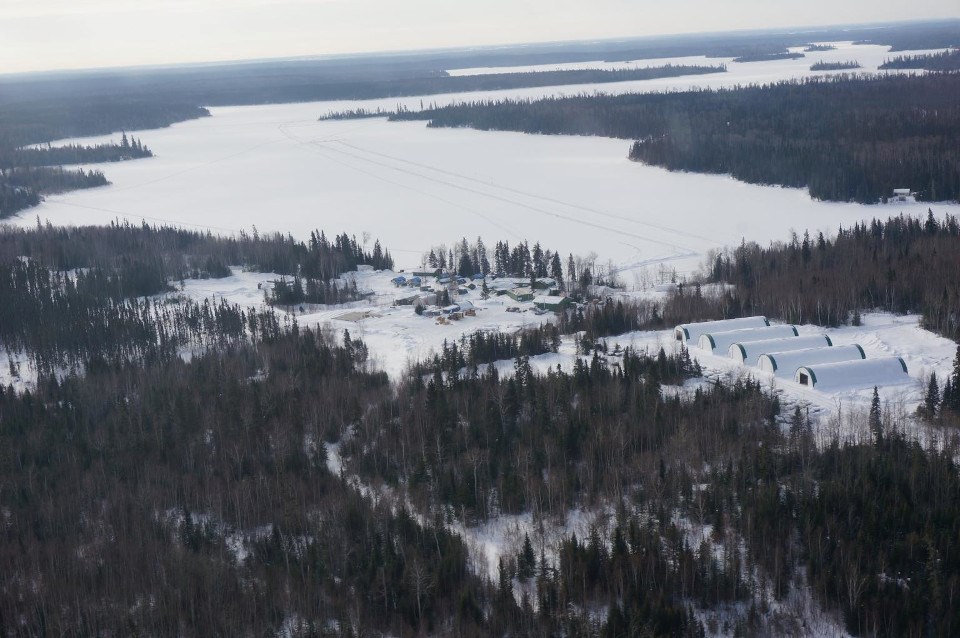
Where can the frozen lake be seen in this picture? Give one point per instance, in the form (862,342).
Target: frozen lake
(277,168)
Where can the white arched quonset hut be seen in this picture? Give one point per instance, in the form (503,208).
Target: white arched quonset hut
(719,342)
(785,363)
(859,373)
(691,332)
(746,352)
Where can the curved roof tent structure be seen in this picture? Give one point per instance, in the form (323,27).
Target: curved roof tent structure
(719,342)
(785,363)
(691,331)
(859,373)
(746,352)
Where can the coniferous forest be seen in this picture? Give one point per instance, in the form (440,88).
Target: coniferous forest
(76,295)
(275,482)
(844,138)
(877,265)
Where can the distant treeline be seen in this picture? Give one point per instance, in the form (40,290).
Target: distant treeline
(844,138)
(945,61)
(902,265)
(33,118)
(499,81)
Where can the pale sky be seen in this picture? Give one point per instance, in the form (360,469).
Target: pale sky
(69,34)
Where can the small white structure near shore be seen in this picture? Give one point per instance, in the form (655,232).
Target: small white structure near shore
(859,373)
(784,364)
(747,352)
(903,195)
(690,332)
(719,342)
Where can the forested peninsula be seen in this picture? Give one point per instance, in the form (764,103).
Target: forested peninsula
(844,138)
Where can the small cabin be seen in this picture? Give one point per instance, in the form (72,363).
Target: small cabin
(550,302)
(521,294)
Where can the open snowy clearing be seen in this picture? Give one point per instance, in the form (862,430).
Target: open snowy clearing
(397,336)
(277,168)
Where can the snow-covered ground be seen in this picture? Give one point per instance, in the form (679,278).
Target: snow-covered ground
(277,168)
(881,335)
(17,370)
(396,336)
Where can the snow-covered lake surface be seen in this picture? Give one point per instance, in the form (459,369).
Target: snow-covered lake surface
(277,168)
(869,56)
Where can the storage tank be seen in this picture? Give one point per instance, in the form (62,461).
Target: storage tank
(720,342)
(859,373)
(746,352)
(690,332)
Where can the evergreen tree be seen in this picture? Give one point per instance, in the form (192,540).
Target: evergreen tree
(539,265)
(932,400)
(526,560)
(954,402)
(556,270)
(876,417)
(482,258)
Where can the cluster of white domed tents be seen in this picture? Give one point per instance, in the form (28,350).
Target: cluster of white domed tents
(810,360)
